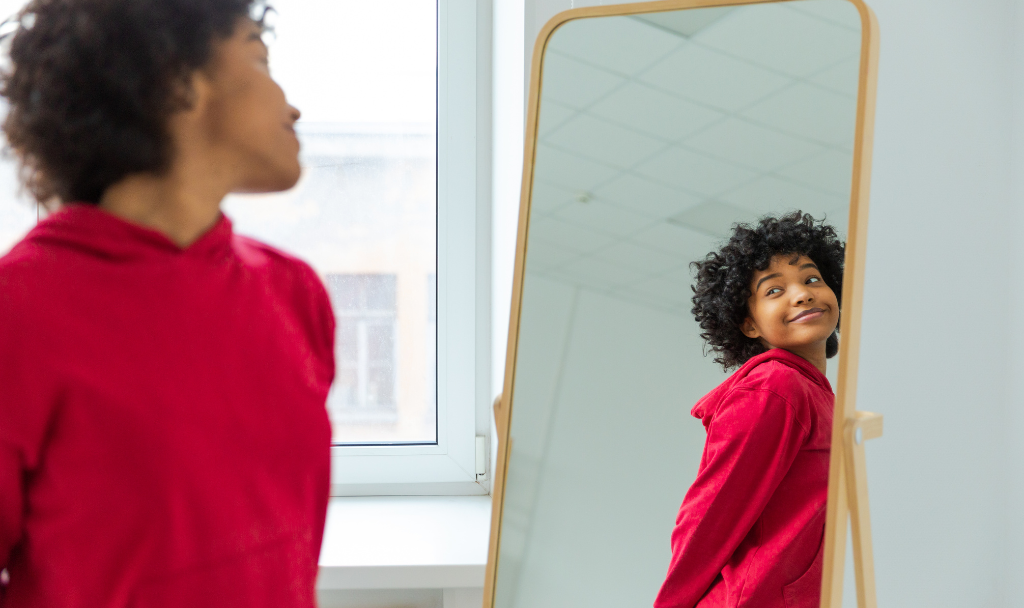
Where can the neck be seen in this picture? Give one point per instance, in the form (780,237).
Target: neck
(812,353)
(181,204)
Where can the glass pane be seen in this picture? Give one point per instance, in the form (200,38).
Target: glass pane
(363,74)
(17,207)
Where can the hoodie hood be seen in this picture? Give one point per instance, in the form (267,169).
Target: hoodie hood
(707,407)
(98,233)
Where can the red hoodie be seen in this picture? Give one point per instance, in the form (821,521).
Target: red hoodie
(163,436)
(751,528)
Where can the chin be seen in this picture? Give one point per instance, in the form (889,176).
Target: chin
(273,181)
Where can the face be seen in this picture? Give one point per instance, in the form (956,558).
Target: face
(246,117)
(792,307)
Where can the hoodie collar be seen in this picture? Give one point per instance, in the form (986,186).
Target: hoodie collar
(706,408)
(93,230)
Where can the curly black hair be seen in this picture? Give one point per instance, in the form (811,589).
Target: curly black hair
(723,279)
(91,84)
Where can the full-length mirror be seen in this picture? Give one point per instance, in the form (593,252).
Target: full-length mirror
(651,135)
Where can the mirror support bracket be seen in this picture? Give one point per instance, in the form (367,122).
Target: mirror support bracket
(860,428)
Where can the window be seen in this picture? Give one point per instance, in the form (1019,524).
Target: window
(364,213)
(392,212)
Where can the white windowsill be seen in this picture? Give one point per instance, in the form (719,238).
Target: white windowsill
(405,542)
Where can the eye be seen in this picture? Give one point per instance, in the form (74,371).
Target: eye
(772,291)
(814,280)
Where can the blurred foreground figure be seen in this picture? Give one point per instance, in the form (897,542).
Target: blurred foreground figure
(163,436)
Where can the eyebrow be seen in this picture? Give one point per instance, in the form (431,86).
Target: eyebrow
(779,274)
(765,278)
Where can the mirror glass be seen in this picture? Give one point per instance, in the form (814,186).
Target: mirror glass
(656,132)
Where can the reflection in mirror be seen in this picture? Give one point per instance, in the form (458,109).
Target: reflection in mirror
(656,133)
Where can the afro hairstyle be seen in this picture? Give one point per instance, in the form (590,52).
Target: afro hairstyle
(723,277)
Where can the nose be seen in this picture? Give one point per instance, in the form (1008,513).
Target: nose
(802,296)
(294,113)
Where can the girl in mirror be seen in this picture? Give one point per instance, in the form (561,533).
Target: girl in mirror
(750,531)
(163,433)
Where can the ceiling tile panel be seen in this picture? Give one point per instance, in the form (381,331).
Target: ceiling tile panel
(603,217)
(544,256)
(573,83)
(694,172)
(636,44)
(714,218)
(684,274)
(552,116)
(712,78)
(771,36)
(839,218)
(603,272)
(547,198)
(830,170)
(645,196)
(770,194)
(838,12)
(633,255)
(651,111)
(745,143)
(811,112)
(686,23)
(668,292)
(569,171)
(602,141)
(843,77)
(598,284)
(685,244)
(567,235)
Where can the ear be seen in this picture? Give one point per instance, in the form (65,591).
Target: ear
(198,90)
(195,93)
(749,329)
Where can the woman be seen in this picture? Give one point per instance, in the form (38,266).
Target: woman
(751,527)
(163,436)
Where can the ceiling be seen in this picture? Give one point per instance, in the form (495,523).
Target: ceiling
(657,132)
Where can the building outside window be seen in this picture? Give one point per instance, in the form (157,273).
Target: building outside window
(365,350)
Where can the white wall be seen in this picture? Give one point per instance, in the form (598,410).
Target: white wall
(943,210)
(1015,401)
(944,275)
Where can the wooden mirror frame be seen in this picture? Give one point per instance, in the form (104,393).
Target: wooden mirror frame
(847,484)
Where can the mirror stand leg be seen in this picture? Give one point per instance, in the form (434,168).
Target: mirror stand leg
(860,428)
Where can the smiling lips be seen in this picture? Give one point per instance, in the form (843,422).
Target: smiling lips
(808,315)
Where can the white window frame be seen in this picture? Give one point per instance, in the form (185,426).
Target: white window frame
(463,281)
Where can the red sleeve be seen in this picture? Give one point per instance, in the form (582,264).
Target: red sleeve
(26,405)
(323,323)
(11,499)
(751,444)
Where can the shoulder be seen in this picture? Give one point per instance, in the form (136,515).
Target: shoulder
(771,386)
(284,269)
(26,268)
(291,278)
(777,381)
(258,254)
(773,375)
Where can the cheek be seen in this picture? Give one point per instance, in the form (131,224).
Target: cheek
(249,108)
(770,318)
(833,300)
